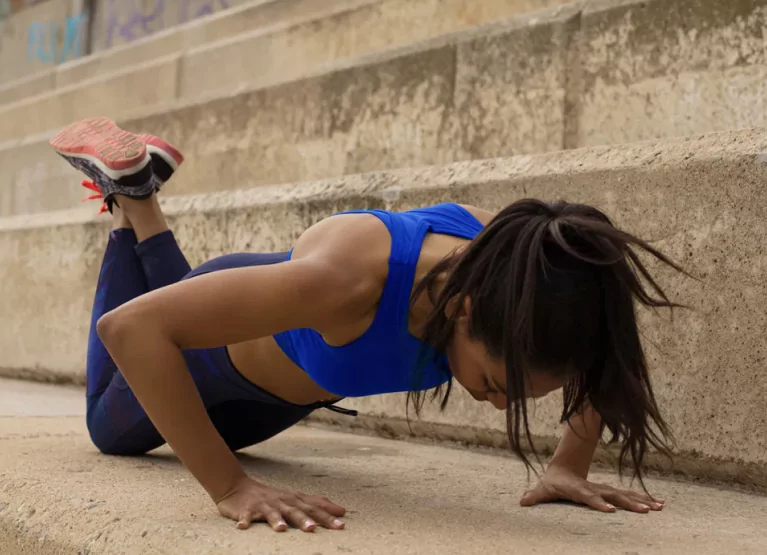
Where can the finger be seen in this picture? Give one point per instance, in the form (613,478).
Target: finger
(595,501)
(320,516)
(274,518)
(645,499)
(626,502)
(325,504)
(297,518)
(244,520)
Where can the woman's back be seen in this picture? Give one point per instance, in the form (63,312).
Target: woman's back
(374,352)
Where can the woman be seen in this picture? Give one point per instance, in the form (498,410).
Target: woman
(514,305)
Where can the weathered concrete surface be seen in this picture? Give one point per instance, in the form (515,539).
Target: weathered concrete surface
(539,82)
(298,49)
(402,498)
(269,15)
(41,36)
(27,87)
(118,93)
(118,23)
(21,398)
(655,69)
(695,197)
(500,94)
(603,72)
(298,35)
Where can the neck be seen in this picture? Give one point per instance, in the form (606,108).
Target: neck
(423,307)
(435,248)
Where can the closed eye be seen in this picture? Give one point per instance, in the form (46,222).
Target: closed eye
(488,388)
(498,388)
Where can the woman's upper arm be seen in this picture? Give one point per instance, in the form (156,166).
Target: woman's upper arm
(330,280)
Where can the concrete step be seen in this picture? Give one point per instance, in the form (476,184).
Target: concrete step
(58,495)
(695,197)
(568,77)
(232,48)
(411,106)
(113,47)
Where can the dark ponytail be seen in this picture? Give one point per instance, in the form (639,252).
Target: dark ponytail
(553,287)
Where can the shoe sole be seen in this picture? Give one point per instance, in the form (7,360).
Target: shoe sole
(99,148)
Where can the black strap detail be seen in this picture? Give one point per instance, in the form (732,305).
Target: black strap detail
(341,410)
(330,405)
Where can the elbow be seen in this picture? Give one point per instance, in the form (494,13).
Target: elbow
(118,328)
(109,327)
(127,327)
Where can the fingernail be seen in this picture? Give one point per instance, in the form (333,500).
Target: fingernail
(338,523)
(309,524)
(644,506)
(282,524)
(611,507)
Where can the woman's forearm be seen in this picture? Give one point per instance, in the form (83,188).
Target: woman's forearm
(158,375)
(580,440)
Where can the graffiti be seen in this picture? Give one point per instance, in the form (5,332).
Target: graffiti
(127,22)
(52,42)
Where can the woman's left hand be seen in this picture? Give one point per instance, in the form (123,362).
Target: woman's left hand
(562,483)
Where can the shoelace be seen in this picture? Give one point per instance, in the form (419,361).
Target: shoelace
(93,187)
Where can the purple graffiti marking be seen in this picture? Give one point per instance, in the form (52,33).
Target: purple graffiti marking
(43,40)
(126,20)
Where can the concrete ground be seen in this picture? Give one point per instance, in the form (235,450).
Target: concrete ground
(59,495)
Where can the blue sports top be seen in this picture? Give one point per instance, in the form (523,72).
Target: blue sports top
(382,360)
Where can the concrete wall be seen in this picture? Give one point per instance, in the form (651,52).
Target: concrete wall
(410,107)
(288,39)
(695,197)
(257,16)
(134,31)
(658,69)
(121,22)
(42,36)
(567,77)
(54,32)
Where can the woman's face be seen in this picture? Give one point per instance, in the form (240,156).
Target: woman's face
(483,376)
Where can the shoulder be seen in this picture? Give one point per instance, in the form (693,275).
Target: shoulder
(354,248)
(484,216)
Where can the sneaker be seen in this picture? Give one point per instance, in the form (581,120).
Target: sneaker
(165,158)
(117,161)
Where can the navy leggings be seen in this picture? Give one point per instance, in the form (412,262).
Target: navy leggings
(243,413)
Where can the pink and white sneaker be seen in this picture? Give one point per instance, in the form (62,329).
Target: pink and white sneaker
(117,161)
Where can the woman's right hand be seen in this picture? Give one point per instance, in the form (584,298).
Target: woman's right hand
(252,501)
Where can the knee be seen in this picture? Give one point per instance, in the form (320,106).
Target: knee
(106,438)
(110,445)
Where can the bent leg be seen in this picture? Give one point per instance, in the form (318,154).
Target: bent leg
(242,413)
(116,421)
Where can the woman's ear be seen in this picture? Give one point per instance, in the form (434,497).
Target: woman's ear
(458,311)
